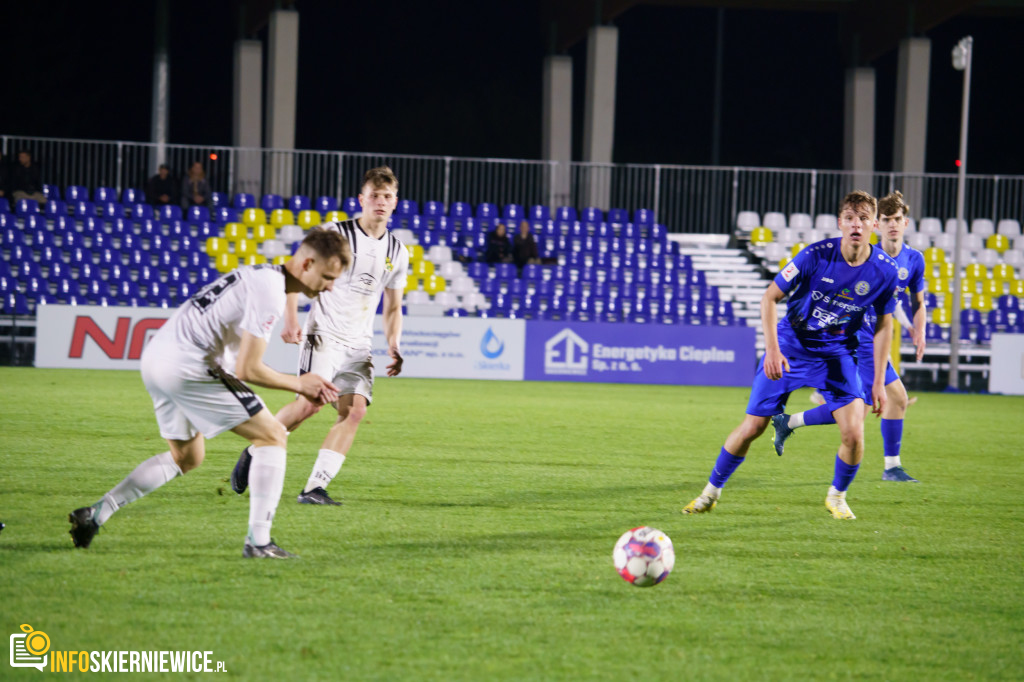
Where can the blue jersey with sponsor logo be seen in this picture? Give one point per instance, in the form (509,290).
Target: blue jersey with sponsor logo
(910,272)
(829,298)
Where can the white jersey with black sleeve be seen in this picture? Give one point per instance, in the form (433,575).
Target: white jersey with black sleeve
(345,314)
(207,329)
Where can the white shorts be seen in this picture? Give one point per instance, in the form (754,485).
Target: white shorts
(350,369)
(186,406)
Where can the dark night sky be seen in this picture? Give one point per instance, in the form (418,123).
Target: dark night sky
(466,81)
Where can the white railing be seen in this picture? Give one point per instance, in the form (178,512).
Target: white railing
(693,199)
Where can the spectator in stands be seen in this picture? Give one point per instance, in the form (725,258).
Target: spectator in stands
(499,250)
(4,174)
(195,190)
(26,179)
(524,247)
(161,190)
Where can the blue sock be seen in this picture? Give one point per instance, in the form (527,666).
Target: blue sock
(822,414)
(844,475)
(892,437)
(724,466)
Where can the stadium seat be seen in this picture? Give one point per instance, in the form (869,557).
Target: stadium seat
(930,226)
(797,248)
(351,206)
(774,220)
(747,221)
(269,202)
(226,262)
(169,212)
(643,216)
(933,255)
(513,213)
(826,222)
(261,233)
(950,226)
(308,218)
(982,227)
(219,200)
(1008,228)
(254,216)
(198,214)
(226,214)
(24,207)
(76,193)
(299,202)
(54,207)
(997,242)
(760,236)
(281,216)
(486,210)
(243,201)
(325,204)
(336,216)
(104,194)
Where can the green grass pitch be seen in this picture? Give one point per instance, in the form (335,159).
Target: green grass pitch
(476,536)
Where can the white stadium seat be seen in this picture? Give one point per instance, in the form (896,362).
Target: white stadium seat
(439,254)
(951,225)
(827,222)
(982,227)
(801,221)
(929,226)
(1008,227)
(774,220)
(747,220)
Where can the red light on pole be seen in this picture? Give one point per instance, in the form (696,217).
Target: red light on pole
(213,157)
(957,162)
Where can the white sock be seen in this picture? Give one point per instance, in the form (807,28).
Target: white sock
(796,420)
(328,464)
(266,479)
(832,492)
(145,478)
(711,491)
(891,462)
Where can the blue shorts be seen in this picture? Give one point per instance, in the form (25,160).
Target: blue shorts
(836,377)
(866,367)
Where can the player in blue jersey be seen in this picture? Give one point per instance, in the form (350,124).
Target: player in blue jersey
(832,285)
(893,213)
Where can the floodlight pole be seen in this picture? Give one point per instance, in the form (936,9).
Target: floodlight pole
(961,62)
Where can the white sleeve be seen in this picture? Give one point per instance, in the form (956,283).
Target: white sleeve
(398,277)
(264,305)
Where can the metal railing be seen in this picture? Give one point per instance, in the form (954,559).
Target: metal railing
(692,199)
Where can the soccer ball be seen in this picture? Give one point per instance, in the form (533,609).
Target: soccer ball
(644,556)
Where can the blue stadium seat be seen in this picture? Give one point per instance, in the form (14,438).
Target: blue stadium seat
(54,208)
(132,195)
(24,207)
(198,214)
(513,213)
(479,271)
(269,202)
(76,193)
(351,206)
(83,209)
(618,217)
(458,213)
(505,271)
(219,200)
(141,211)
(539,212)
(4,206)
(969,317)
(169,212)
(643,216)
(104,195)
(1007,303)
(243,201)
(325,204)
(224,215)
(51,192)
(486,210)
(16,304)
(407,207)
(299,202)
(565,214)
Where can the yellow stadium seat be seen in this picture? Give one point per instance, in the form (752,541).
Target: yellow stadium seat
(423,269)
(797,248)
(938,285)
(280,260)
(226,262)
(941,315)
(873,239)
(991,287)
(997,242)
(262,233)
(783,262)
(253,259)
(1003,271)
(216,246)
(335,216)
(308,219)
(235,231)
(281,216)
(934,254)
(254,216)
(1017,287)
(943,270)
(246,247)
(982,302)
(976,271)
(760,236)
(412,283)
(968,286)
(415,252)
(433,284)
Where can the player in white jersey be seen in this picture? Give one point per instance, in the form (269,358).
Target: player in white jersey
(193,368)
(339,332)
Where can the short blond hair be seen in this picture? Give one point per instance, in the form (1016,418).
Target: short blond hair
(892,203)
(858,198)
(379,177)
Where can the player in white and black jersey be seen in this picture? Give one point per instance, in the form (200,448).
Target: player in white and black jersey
(339,332)
(194,368)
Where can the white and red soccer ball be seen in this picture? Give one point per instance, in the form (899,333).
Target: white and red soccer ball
(644,556)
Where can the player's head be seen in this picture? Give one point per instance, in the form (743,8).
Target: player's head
(892,216)
(379,194)
(858,212)
(322,256)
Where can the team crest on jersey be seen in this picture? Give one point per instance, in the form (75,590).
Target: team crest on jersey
(862,288)
(388,265)
(903,273)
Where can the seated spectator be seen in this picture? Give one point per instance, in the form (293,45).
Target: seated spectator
(195,190)
(524,247)
(161,190)
(26,180)
(499,250)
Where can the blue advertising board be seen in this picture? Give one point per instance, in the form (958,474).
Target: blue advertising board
(640,353)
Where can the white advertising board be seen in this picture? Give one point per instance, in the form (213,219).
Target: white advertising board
(1007,371)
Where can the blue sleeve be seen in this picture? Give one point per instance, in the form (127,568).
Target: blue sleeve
(795,270)
(885,304)
(917,274)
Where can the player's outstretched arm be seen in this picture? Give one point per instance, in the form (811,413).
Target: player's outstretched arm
(393,329)
(292,331)
(883,345)
(250,367)
(774,361)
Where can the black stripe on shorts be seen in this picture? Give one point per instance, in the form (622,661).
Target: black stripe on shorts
(243,393)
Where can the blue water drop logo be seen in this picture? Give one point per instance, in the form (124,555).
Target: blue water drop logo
(491,346)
